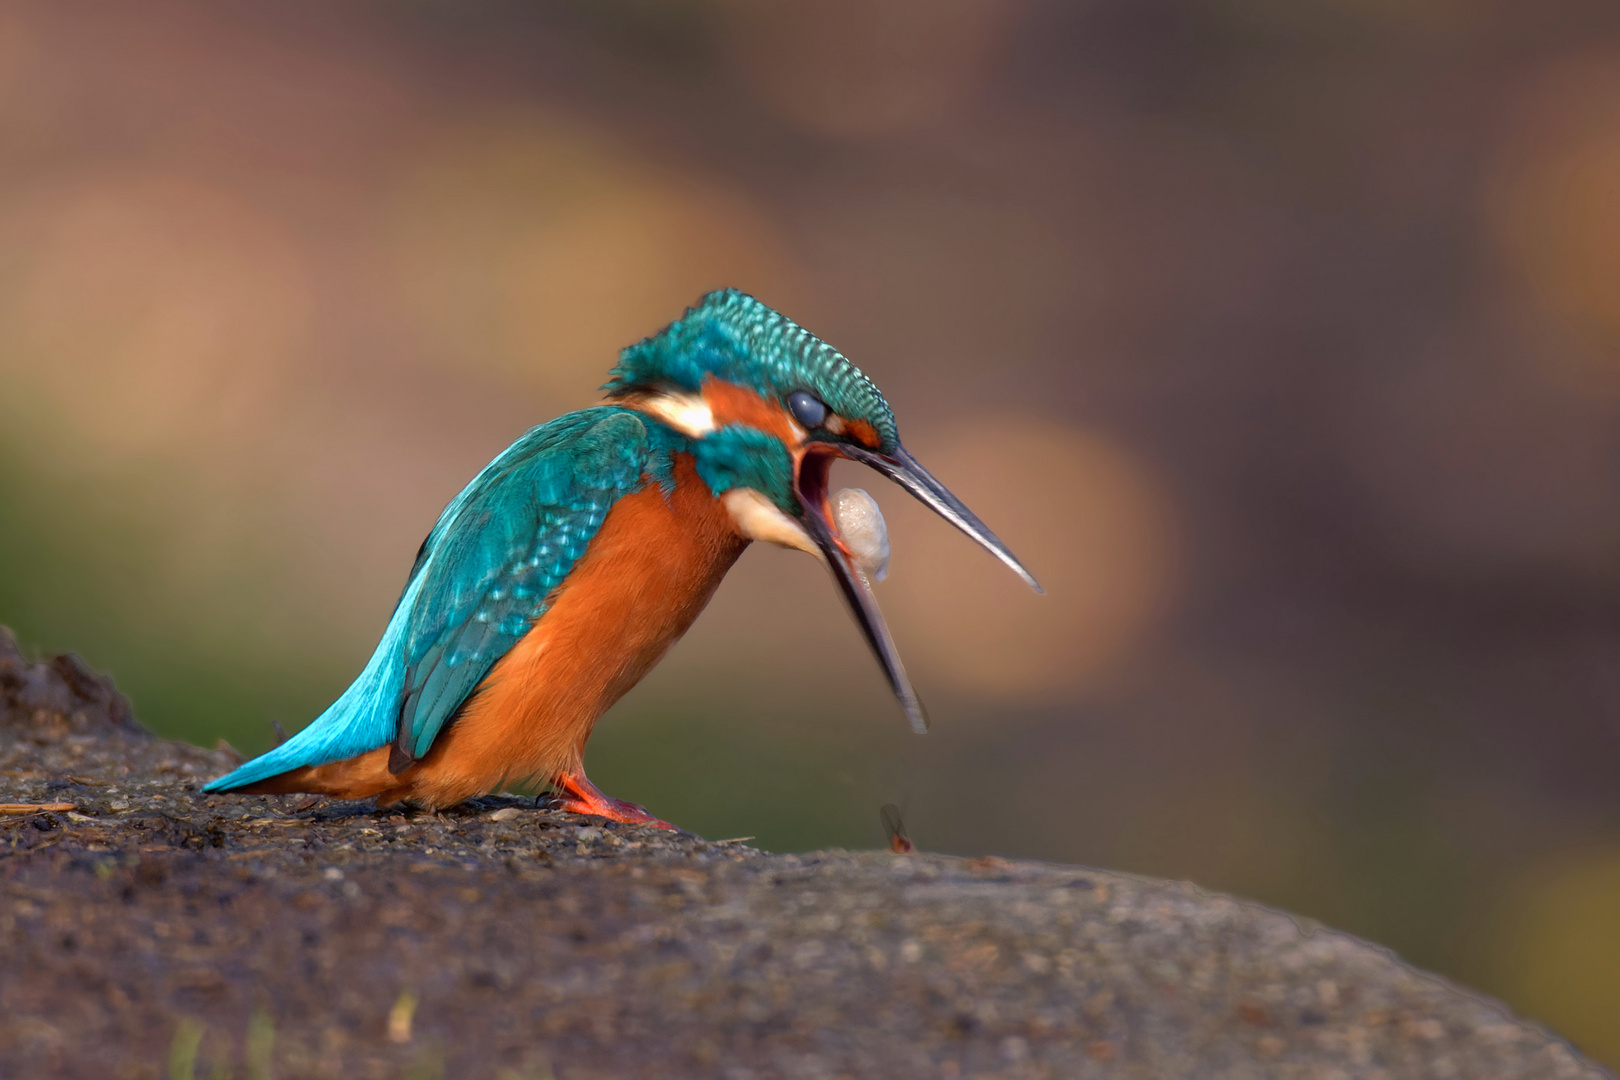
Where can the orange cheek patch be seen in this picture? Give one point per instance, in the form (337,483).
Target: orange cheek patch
(733,404)
(863,432)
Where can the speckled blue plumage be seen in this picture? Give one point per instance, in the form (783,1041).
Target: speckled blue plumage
(732,336)
(481,580)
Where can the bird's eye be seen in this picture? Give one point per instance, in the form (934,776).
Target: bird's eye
(806,409)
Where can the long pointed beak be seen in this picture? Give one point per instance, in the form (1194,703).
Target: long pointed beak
(853,584)
(904,470)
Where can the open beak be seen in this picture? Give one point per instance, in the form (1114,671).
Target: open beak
(819,522)
(904,470)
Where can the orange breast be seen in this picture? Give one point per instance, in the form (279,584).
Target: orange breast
(646,575)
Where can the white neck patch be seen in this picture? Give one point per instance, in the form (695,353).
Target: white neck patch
(758,518)
(688,414)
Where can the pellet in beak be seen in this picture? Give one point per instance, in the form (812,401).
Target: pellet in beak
(861,525)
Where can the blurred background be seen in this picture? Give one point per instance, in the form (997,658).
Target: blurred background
(1281,340)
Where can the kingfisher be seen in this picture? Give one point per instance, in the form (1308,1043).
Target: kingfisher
(572,562)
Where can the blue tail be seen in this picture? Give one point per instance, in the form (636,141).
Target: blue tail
(364,718)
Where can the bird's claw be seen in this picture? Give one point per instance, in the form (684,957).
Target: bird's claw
(574,793)
(608,807)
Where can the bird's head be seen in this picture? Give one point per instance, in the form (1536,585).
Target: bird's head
(769,407)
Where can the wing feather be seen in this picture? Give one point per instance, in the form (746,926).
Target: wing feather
(482,578)
(492,561)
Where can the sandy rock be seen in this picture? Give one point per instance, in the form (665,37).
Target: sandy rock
(296,936)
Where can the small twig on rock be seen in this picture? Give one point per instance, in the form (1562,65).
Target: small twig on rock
(895,827)
(36,808)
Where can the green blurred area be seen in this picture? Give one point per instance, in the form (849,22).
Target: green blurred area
(78,576)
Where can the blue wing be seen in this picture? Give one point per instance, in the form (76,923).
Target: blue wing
(482,578)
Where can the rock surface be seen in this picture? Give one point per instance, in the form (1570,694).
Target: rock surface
(149,931)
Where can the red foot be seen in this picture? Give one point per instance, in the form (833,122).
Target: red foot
(578,795)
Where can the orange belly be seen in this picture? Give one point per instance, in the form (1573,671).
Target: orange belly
(646,575)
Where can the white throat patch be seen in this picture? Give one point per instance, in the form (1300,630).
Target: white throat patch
(760,519)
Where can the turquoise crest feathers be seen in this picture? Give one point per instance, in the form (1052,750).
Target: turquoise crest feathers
(732,336)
